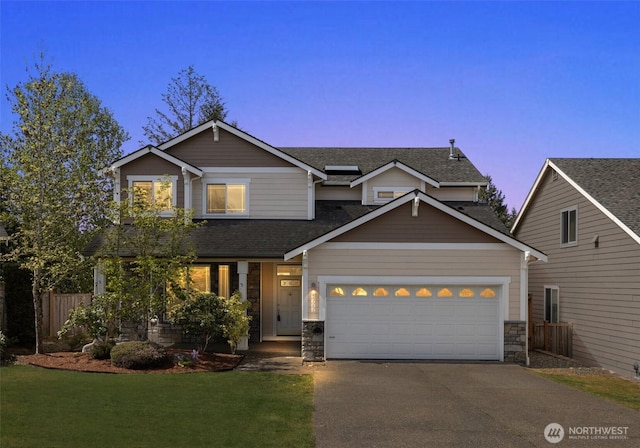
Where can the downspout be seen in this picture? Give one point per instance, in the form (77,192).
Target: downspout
(186,179)
(311,196)
(524,308)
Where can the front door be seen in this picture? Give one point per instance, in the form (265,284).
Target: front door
(289,307)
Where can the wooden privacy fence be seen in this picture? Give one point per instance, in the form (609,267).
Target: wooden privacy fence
(554,338)
(56,310)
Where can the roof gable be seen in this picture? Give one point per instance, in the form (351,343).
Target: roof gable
(156,152)
(611,185)
(430,225)
(215,127)
(399,165)
(415,198)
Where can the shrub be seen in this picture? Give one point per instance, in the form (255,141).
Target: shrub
(138,355)
(201,316)
(96,319)
(236,321)
(102,349)
(5,358)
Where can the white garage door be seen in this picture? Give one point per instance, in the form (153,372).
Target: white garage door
(412,322)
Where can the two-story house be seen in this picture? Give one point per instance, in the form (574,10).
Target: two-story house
(357,252)
(585,215)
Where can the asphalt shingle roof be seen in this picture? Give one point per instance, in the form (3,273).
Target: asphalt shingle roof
(432,162)
(272,238)
(614,183)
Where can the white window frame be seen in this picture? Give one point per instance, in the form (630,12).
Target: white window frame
(551,319)
(226,182)
(159,179)
(568,242)
(397,192)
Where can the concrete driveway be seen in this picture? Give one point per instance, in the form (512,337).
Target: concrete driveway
(397,404)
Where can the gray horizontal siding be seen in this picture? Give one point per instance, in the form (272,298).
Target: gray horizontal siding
(599,287)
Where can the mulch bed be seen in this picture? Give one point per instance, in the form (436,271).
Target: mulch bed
(82,362)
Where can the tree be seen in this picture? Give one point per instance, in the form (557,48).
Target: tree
(144,257)
(190,101)
(56,191)
(495,198)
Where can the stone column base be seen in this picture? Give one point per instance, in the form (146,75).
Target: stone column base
(312,341)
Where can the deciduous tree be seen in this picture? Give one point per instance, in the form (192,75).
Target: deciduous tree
(145,252)
(56,192)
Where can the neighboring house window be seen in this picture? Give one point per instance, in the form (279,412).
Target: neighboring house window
(552,304)
(154,190)
(569,230)
(226,198)
(386,194)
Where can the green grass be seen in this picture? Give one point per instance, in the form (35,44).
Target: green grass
(52,408)
(621,391)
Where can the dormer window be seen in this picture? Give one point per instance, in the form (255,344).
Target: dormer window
(386,194)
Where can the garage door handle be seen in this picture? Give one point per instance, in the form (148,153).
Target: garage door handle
(332,337)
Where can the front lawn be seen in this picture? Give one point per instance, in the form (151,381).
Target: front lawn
(53,408)
(621,391)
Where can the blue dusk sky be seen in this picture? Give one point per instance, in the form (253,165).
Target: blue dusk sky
(512,82)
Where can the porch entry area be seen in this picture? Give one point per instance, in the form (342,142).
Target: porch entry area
(281,302)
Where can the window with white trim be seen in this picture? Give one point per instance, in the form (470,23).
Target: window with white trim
(386,194)
(160,191)
(569,226)
(552,304)
(226,197)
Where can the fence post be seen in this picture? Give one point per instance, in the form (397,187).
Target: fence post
(546,336)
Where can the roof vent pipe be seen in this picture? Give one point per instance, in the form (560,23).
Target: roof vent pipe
(452,142)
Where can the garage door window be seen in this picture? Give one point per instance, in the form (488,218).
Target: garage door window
(408,291)
(488,293)
(467,293)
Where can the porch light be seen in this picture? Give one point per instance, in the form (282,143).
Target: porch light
(314,302)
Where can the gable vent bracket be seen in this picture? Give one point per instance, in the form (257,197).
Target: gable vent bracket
(414,208)
(216,132)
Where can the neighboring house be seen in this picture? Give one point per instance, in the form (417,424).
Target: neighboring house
(357,252)
(585,215)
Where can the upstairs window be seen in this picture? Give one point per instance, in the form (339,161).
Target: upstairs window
(569,229)
(386,194)
(148,190)
(226,198)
